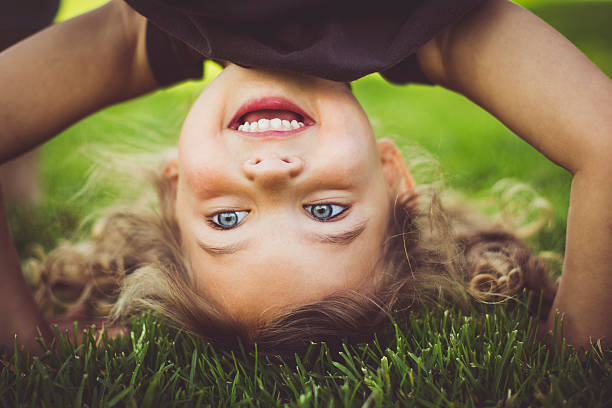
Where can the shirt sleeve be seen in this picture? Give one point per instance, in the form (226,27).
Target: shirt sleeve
(170,59)
(407,71)
(341,40)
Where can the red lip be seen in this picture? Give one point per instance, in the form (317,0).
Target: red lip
(272,103)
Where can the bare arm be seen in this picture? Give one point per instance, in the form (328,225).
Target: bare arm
(20,314)
(542,87)
(48,82)
(68,71)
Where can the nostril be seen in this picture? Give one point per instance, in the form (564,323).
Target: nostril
(272,168)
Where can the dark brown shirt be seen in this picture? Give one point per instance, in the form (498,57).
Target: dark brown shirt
(21,18)
(341,40)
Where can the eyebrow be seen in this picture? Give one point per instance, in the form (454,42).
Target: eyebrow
(216,250)
(343,238)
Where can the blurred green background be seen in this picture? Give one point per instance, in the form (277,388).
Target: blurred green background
(473,148)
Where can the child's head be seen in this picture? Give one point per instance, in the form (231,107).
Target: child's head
(284,234)
(276,216)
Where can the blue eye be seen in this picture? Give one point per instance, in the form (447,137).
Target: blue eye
(228,219)
(325,212)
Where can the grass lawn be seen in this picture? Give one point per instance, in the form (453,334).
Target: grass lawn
(483,356)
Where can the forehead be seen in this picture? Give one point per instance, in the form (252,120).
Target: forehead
(281,269)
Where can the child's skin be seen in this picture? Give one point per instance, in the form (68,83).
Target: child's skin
(501,56)
(269,183)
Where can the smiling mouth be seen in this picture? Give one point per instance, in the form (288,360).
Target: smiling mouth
(270,116)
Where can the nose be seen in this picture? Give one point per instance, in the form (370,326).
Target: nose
(273,170)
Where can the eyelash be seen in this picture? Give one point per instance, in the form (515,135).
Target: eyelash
(211,219)
(332,218)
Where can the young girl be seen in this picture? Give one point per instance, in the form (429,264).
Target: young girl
(305,221)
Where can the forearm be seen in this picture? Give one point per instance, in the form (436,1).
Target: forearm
(585,290)
(20,314)
(68,71)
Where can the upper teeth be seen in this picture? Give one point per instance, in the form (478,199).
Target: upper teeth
(263,125)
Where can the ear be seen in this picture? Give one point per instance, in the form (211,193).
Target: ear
(170,175)
(396,174)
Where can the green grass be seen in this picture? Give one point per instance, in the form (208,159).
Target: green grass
(483,356)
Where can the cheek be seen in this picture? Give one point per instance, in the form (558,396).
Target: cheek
(341,157)
(349,147)
(203,180)
(201,174)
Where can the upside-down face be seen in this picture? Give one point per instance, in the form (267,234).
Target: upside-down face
(282,192)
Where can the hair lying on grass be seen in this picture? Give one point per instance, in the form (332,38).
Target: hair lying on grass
(134,262)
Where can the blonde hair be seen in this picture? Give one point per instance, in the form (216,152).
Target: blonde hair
(133,261)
